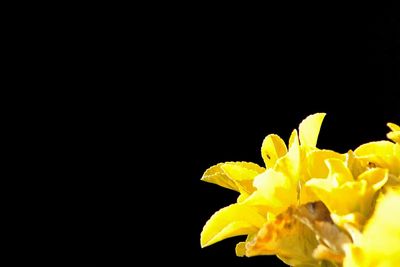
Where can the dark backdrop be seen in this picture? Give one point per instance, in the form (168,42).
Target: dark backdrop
(215,80)
(250,74)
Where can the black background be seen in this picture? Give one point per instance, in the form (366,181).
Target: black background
(205,84)
(248,74)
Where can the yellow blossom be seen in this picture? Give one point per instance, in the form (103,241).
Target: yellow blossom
(267,193)
(311,206)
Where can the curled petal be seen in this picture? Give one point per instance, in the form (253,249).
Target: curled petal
(273,148)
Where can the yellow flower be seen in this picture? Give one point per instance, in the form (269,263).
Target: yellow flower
(313,207)
(379,244)
(264,193)
(280,186)
(394,135)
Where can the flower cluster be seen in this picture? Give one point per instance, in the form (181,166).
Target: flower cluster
(311,206)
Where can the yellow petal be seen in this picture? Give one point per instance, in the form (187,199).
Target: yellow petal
(382,154)
(229,174)
(378,147)
(243,196)
(382,232)
(395,136)
(217,176)
(275,192)
(241,171)
(243,176)
(355,164)
(233,220)
(376,178)
(393,127)
(338,171)
(309,129)
(340,200)
(273,148)
(290,164)
(380,241)
(316,162)
(333,191)
(306,194)
(316,168)
(294,137)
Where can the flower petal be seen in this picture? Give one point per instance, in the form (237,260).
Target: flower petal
(275,192)
(317,167)
(230,174)
(380,241)
(309,129)
(273,148)
(290,164)
(393,127)
(395,136)
(338,171)
(384,154)
(231,221)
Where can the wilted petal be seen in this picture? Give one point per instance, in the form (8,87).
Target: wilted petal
(289,239)
(240,249)
(356,219)
(317,217)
